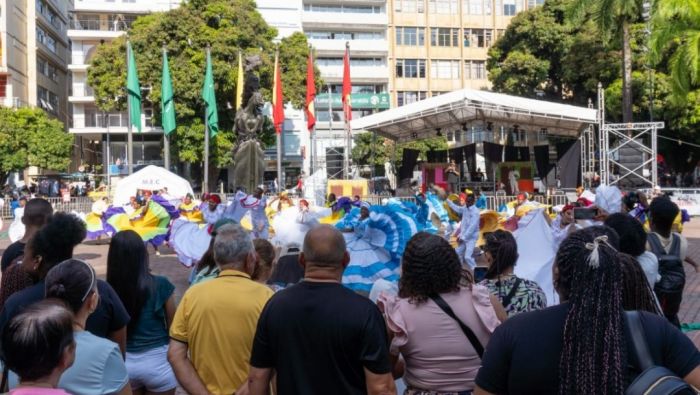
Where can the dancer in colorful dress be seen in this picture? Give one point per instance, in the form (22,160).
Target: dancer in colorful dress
(438,215)
(214,210)
(468,228)
(376,237)
(256,203)
(189,210)
(563,225)
(235,210)
(292,224)
(149,219)
(16,230)
(94,219)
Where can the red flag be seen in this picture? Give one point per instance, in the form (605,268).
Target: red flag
(277,99)
(310,93)
(347,85)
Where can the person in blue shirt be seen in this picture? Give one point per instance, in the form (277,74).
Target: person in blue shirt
(481,202)
(468,228)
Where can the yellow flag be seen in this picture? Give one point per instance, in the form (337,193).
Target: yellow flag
(239,83)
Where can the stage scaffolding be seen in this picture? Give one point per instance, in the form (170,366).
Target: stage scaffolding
(612,137)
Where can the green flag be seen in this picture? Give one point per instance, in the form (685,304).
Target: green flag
(133,90)
(167,105)
(209,97)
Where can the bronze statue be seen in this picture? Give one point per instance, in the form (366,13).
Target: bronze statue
(248,156)
(249,119)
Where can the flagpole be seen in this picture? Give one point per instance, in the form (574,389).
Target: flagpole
(129,134)
(280,182)
(312,167)
(166,139)
(347,128)
(205,182)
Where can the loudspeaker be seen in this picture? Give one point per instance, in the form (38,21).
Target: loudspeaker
(334,162)
(631,157)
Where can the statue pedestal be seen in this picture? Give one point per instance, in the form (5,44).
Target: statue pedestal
(248,165)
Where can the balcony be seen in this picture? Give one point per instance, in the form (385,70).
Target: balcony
(117,122)
(140,7)
(78,67)
(337,47)
(81,99)
(358,74)
(340,20)
(12,102)
(107,27)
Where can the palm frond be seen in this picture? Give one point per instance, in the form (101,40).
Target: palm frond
(691,42)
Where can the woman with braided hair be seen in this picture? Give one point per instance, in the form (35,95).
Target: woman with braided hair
(436,297)
(517,295)
(581,346)
(636,293)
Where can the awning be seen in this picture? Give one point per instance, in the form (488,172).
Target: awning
(450,111)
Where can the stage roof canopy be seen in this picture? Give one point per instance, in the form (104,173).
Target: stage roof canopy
(450,111)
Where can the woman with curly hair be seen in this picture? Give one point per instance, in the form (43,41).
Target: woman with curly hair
(581,346)
(517,295)
(440,322)
(53,244)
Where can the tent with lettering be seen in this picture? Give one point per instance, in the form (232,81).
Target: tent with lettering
(151,178)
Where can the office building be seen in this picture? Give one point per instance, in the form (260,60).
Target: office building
(34,51)
(93,23)
(437,46)
(363,25)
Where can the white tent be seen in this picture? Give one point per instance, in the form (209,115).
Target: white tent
(452,110)
(152,178)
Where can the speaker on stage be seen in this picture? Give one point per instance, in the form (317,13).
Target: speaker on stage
(334,162)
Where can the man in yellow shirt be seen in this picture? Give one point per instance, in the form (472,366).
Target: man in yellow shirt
(215,322)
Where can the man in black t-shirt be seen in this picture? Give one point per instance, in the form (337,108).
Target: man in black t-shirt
(318,336)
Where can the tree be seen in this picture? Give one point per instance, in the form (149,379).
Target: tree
(387,150)
(676,29)
(614,17)
(28,137)
(228,26)
(367,145)
(527,59)
(520,73)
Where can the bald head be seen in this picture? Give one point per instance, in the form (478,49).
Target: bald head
(324,246)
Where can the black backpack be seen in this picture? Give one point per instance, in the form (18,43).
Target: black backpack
(653,379)
(669,289)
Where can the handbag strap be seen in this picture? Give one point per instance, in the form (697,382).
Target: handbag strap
(4,385)
(506,300)
(467,332)
(636,330)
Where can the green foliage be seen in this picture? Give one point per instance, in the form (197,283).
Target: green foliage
(294,53)
(528,58)
(676,30)
(227,26)
(366,144)
(580,55)
(609,15)
(520,73)
(387,150)
(28,137)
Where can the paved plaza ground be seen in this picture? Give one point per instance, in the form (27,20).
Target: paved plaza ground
(95,252)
